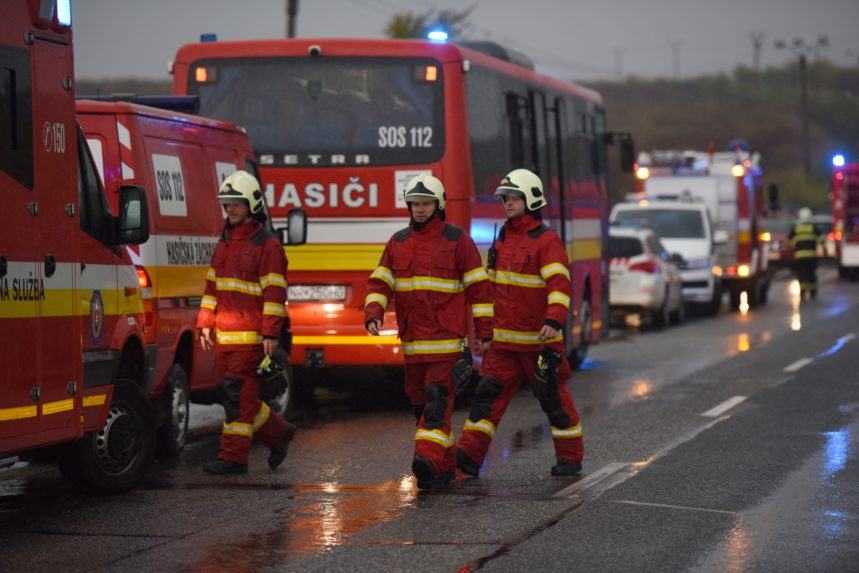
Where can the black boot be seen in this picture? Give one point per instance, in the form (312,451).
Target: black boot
(566,469)
(466,465)
(428,479)
(223,468)
(278,452)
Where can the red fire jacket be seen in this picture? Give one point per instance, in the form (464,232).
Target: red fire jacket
(531,285)
(245,288)
(433,273)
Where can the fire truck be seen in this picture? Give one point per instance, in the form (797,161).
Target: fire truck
(72,359)
(729,183)
(845,216)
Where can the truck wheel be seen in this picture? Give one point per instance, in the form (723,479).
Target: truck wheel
(578,353)
(114,458)
(173,433)
(735,298)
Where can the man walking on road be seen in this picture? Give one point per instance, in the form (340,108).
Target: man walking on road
(433,271)
(530,271)
(244,303)
(804,237)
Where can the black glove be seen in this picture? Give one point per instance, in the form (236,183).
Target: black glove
(273,376)
(546,374)
(462,375)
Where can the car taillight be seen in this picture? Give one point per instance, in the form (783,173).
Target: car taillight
(647,266)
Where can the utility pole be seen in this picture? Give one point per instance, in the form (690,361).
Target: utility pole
(291,17)
(757,47)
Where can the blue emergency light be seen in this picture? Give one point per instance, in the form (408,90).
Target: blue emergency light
(437,35)
(838,160)
(209,37)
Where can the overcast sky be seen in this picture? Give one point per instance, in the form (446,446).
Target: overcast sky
(579,39)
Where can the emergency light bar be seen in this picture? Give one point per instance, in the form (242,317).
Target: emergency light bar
(838,160)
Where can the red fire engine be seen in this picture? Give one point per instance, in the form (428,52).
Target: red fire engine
(72,361)
(845,217)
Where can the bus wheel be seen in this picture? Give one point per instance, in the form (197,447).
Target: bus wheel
(173,434)
(579,352)
(114,458)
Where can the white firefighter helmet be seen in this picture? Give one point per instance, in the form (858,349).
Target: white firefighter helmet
(425,187)
(242,185)
(804,214)
(527,185)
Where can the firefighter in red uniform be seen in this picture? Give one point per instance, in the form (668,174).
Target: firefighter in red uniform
(529,268)
(433,271)
(244,304)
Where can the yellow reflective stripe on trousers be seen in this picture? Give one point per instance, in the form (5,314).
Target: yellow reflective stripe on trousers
(238,429)
(381,299)
(272,279)
(210,275)
(483,310)
(517,279)
(238,285)
(484,426)
(571,432)
(209,302)
(436,436)
(238,337)
(448,346)
(554,269)
(262,416)
(383,274)
(557,297)
(474,276)
(521,336)
(427,283)
(273,309)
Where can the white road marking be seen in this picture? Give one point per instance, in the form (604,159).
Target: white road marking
(720,409)
(669,506)
(591,479)
(801,363)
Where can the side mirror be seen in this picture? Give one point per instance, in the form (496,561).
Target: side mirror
(720,237)
(295,232)
(772,197)
(627,155)
(132,225)
(678,260)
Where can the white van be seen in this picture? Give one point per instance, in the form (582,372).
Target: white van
(684,228)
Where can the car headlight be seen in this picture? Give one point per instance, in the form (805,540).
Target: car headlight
(299,293)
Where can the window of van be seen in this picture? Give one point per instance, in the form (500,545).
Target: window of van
(667,223)
(16,115)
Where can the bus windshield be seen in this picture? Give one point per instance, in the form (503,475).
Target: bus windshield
(328,111)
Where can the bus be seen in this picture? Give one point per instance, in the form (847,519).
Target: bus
(339,126)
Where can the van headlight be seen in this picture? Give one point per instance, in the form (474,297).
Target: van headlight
(300,293)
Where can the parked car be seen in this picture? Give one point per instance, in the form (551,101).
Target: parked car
(644,277)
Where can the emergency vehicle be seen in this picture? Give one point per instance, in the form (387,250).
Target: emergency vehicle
(341,125)
(845,217)
(73,365)
(729,183)
(180,160)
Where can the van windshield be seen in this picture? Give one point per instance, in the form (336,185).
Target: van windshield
(667,223)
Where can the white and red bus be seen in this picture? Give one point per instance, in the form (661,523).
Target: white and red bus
(340,126)
(845,217)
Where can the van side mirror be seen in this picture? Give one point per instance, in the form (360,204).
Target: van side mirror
(720,237)
(132,225)
(295,232)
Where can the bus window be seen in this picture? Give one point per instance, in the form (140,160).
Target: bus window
(16,119)
(335,111)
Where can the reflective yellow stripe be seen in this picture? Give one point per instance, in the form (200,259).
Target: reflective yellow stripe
(380,299)
(238,429)
(484,426)
(804,254)
(273,309)
(517,279)
(383,274)
(209,302)
(262,416)
(474,276)
(210,275)
(238,285)
(49,408)
(521,336)
(483,310)
(571,432)
(334,340)
(272,279)
(97,400)
(238,337)
(433,346)
(437,436)
(556,297)
(554,269)
(7,414)
(427,283)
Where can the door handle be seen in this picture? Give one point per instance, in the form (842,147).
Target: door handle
(50,265)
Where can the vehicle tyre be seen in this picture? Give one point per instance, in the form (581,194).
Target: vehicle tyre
(735,298)
(114,458)
(842,272)
(764,293)
(579,352)
(679,316)
(173,433)
(661,317)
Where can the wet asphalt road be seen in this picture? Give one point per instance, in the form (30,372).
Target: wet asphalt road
(726,444)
